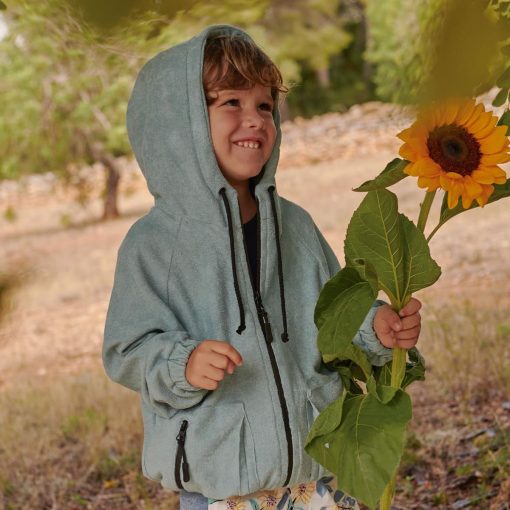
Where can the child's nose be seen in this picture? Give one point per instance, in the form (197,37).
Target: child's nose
(253,119)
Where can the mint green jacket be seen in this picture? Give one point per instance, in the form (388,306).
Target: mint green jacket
(182,276)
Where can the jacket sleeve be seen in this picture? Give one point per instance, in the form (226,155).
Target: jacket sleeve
(145,348)
(365,338)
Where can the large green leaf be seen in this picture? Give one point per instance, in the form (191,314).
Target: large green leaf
(383,392)
(328,420)
(500,191)
(365,450)
(415,368)
(341,321)
(420,269)
(331,297)
(393,173)
(374,234)
(391,246)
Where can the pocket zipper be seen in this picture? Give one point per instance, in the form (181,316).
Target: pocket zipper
(181,456)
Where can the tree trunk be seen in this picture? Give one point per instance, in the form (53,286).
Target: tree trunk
(98,153)
(110,210)
(323,77)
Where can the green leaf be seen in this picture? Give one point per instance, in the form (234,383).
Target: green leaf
(2,6)
(393,173)
(415,368)
(505,50)
(420,268)
(374,234)
(396,249)
(501,98)
(503,81)
(383,374)
(384,393)
(328,420)
(331,295)
(344,317)
(500,191)
(504,120)
(365,450)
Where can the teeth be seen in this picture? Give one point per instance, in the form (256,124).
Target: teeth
(248,145)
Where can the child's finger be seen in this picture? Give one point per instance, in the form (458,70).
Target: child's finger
(225,348)
(216,374)
(411,322)
(412,307)
(408,334)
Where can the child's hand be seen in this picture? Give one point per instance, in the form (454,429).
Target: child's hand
(208,361)
(394,331)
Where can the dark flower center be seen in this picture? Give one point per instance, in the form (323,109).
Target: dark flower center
(454,149)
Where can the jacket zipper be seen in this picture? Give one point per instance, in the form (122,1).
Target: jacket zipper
(180,456)
(268,336)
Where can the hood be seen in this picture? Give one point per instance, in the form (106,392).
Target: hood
(168,128)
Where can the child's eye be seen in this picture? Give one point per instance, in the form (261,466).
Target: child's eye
(234,102)
(267,107)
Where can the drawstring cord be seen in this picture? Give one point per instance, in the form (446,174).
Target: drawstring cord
(242,326)
(285,335)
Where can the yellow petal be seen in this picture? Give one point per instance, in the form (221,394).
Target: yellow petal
(454,194)
(471,188)
(487,130)
(405,134)
(494,159)
(476,112)
(487,175)
(466,201)
(432,183)
(454,175)
(407,152)
(493,143)
(484,120)
(450,111)
(465,111)
(486,193)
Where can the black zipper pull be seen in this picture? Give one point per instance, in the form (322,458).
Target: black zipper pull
(181,455)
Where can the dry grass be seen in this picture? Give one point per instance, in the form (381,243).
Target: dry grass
(74,442)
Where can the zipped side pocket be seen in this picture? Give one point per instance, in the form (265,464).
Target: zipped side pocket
(180,456)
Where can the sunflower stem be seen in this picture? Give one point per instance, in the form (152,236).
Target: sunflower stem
(436,228)
(387,497)
(425,209)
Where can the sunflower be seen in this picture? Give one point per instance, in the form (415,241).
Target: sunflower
(457,146)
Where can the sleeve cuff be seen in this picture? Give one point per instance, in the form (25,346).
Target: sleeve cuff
(179,385)
(368,342)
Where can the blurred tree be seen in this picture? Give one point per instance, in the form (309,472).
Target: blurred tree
(64,91)
(68,67)
(426,49)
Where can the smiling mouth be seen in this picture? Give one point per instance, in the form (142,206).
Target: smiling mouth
(248,145)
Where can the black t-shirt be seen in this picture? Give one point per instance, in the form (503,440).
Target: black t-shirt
(250,234)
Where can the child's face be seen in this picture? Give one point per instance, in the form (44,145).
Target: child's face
(242,131)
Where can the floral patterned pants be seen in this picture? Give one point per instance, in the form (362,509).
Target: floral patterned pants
(320,495)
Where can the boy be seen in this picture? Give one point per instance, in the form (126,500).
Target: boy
(221,277)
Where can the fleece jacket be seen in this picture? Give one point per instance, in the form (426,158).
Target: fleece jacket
(182,276)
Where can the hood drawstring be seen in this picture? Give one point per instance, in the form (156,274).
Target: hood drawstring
(285,335)
(242,326)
